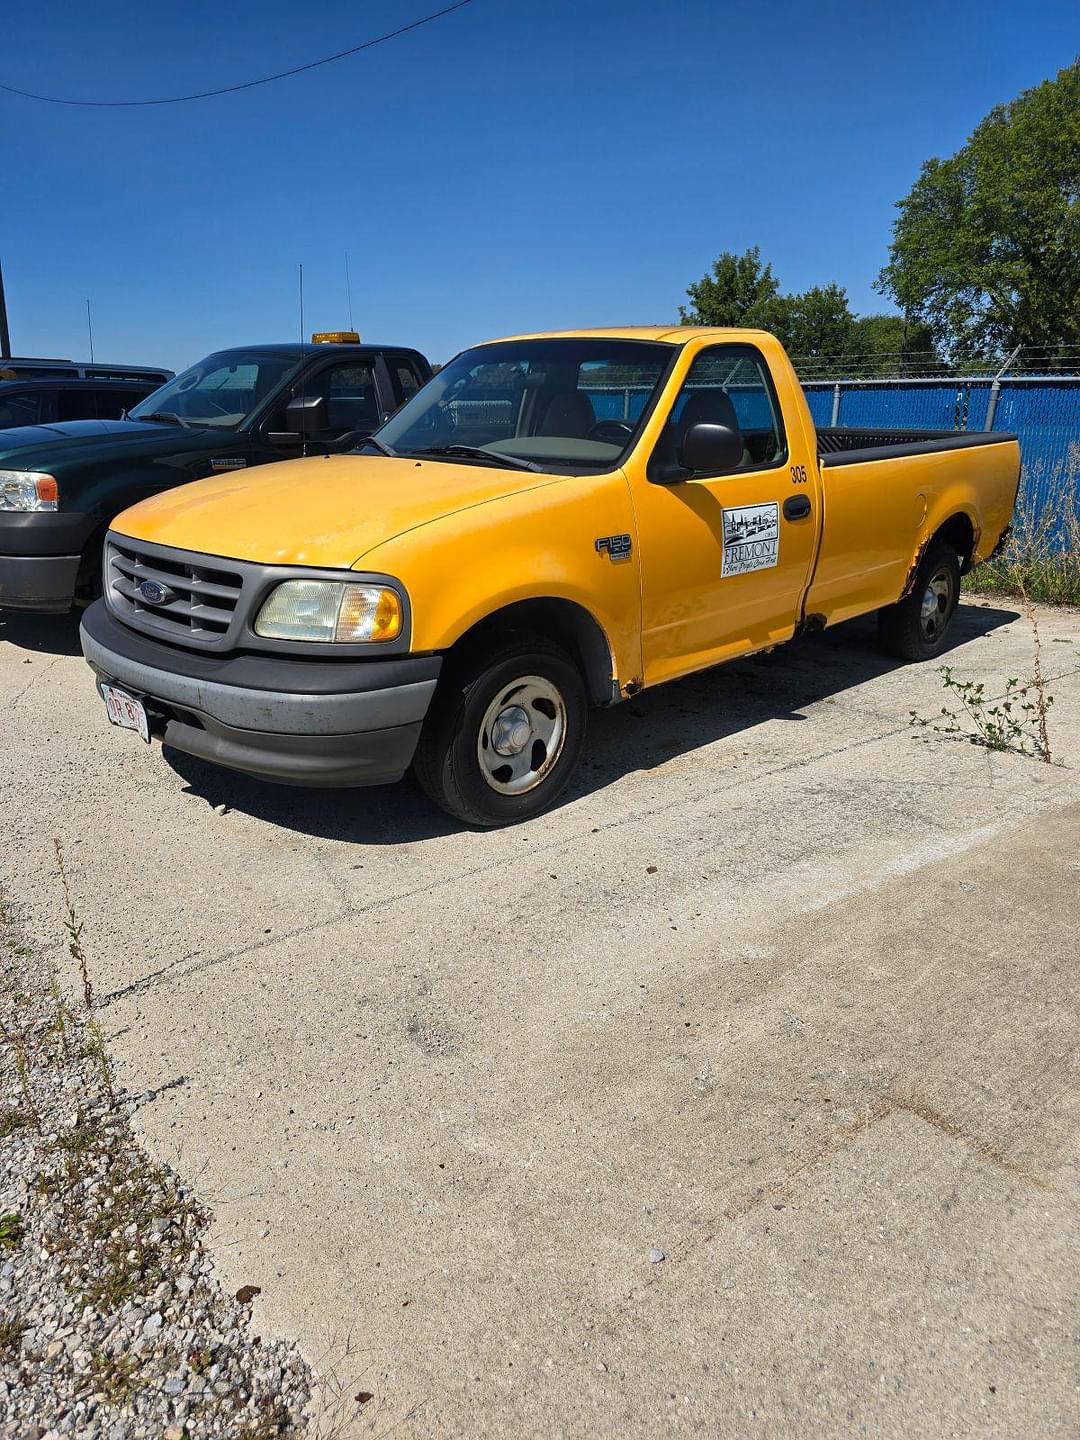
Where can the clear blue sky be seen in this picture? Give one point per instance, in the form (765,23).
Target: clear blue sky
(513,166)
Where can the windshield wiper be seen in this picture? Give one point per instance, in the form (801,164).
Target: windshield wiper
(166,415)
(479,452)
(382,449)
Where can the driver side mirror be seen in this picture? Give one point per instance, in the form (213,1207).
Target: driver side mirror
(710,448)
(305,415)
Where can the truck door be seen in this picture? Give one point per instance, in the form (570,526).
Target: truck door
(725,558)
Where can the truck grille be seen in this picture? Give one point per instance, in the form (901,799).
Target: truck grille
(189,598)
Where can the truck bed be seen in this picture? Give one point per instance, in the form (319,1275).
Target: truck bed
(848,445)
(885,492)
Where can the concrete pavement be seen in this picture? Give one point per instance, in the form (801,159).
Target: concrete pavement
(785,989)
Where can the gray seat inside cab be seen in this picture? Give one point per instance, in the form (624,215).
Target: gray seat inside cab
(569,414)
(708,407)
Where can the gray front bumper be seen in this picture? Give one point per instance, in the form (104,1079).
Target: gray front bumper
(358,736)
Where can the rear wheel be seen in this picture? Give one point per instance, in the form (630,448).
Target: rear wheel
(504,733)
(915,629)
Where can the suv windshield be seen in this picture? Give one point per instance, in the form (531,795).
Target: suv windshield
(222,391)
(559,405)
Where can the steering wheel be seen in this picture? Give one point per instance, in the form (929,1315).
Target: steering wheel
(614,432)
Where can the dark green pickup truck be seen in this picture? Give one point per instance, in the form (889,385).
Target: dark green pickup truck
(61,484)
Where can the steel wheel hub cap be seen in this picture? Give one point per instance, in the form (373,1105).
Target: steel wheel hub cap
(511,731)
(935,604)
(521,735)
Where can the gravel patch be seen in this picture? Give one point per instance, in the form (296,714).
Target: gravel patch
(112,1323)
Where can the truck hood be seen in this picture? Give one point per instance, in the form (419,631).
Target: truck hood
(39,447)
(324,511)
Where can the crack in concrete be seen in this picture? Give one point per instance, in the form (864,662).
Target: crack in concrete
(35,678)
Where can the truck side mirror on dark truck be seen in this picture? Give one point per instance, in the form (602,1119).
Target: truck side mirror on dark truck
(306,415)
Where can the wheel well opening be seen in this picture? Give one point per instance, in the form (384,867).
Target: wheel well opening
(959,532)
(562,621)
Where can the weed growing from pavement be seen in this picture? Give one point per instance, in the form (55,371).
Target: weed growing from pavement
(1013,721)
(1016,720)
(94,1049)
(11,1332)
(10,1121)
(22,1070)
(60,1025)
(114,1376)
(74,927)
(1043,701)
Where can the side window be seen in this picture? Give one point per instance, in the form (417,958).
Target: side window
(728,385)
(352,402)
(25,409)
(406,380)
(88,405)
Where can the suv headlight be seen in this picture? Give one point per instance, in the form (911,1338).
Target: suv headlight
(330,610)
(28,490)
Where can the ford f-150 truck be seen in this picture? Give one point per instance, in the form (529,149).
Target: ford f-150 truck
(62,481)
(552,523)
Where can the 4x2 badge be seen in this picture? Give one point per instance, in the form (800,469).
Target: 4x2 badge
(618,547)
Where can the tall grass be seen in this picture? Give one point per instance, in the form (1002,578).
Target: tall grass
(1041,559)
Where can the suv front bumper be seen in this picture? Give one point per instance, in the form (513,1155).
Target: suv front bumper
(40,555)
(298,722)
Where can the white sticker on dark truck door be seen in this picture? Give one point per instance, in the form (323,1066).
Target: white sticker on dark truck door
(751,538)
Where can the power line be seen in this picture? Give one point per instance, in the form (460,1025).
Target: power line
(247,84)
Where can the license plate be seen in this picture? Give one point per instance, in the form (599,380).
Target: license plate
(125,710)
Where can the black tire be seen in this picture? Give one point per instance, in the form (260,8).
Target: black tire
(915,629)
(448,761)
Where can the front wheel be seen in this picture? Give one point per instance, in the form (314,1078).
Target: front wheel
(504,733)
(915,628)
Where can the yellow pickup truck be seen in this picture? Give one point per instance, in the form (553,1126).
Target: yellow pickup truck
(553,522)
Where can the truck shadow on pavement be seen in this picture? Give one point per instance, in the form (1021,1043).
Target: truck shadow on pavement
(45,634)
(650,730)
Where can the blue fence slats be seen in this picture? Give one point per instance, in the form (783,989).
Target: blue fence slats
(820,403)
(925,407)
(1046,417)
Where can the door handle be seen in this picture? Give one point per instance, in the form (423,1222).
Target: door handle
(796,507)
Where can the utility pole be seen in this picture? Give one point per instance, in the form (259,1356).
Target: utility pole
(5,338)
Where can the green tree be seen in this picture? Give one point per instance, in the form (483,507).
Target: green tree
(986,248)
(735,292)
(816,323)
(887,344)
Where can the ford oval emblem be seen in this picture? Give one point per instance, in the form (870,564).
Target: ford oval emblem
(154,593)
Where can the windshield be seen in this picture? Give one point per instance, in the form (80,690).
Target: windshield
(222,391)
(559,405)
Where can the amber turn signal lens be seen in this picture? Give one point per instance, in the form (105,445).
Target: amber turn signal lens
(368,614)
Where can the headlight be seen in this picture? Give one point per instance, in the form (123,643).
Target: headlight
(27,490)
(330,610)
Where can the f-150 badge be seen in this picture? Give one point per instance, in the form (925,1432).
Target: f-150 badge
(617,546)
